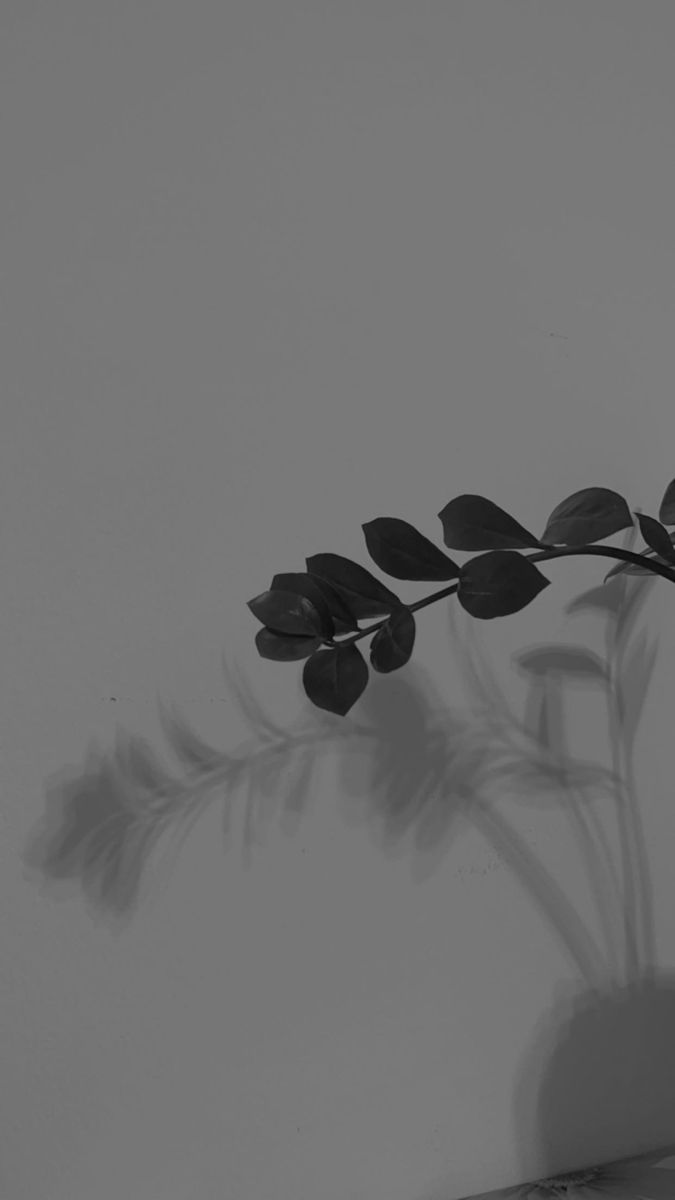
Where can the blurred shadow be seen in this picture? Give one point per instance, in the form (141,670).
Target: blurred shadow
(599,1070)
(106,821)
(598,1078)
(420,766)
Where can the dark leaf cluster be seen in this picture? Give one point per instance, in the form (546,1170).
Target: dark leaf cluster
(302,613)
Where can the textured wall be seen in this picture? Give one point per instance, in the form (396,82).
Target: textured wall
(271,270)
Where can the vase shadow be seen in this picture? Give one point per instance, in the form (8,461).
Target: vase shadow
(597,1082)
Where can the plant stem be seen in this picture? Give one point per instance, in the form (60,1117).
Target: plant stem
(631,898)
(639,901)
(639,560)
(589,848)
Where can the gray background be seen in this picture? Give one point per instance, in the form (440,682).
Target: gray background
(270,270)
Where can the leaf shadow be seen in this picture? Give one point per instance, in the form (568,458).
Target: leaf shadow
(412,770)
(105,822)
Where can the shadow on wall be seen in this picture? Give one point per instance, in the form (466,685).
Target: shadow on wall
(598,1081)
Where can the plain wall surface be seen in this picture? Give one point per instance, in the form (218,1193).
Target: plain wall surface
(269,271)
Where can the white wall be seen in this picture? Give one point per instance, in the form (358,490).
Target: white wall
(270,270)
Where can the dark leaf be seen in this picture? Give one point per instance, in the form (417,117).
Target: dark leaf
(303,585)
(656,537)
(401,551)
(587,516)
(622,568)
(287,612)
(285,647)
(667,507)
(474,523)
(393,644)
(498,583)
(334,679)
(343,618)
(363,594)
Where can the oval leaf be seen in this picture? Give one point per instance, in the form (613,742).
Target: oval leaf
(393,643)
(303,585)
(667,508)
(334,679)
(572,662)
(398,548)
(363,594)
(284,647)
(499,583)
(587,516)
(656,537)
(287,612)
(474,523)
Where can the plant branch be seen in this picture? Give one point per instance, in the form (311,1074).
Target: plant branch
(628,556)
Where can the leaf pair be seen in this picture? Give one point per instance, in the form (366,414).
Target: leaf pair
(303,609)
(334,679)
(474,523)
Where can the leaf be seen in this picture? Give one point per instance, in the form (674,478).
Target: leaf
(288,612)
(656,537)
(601,598)
(322,596)
(398,548)
(474,523)
(334,679)
(344,619)
(498,583)
(667,507)
(393,643)
(587,516)
(363,594)
(620,567)
(576,662)
(284,647)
